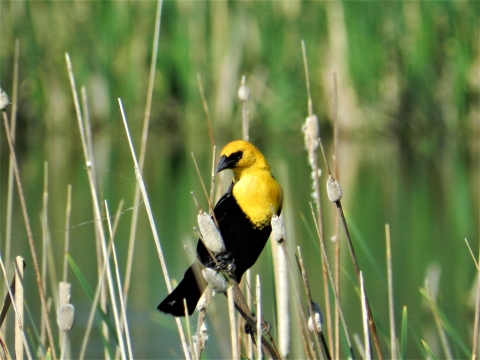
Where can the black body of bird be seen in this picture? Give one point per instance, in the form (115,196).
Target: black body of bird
(243,215)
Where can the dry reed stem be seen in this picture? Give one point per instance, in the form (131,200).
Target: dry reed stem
(316,185)
(7,301)
(338,204)
(13,122)
(86,120)
(44,222)
(111,291)
(366,335)
(96,298)
(332,283)
(6,353)
(205,109)
(29,233)
(156,238)
(336,222)
(303,272)
(258,294)
(233,325)
(305,334)
(119,288)
(19,299)
(476,322)
(100,238)
(17,315)
(393,337)
(244,95)
(68,212)
(143,149)
(244,310)
(249,304)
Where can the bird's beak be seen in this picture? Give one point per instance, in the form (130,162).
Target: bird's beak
(223,164)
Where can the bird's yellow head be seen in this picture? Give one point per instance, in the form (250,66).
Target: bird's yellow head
(241,156)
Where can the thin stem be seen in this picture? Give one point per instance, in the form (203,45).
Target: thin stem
(119,286)
(336,222)
(310,302)
(332,283)
(205,109)
(67,231)
(17,315)
(29,234)
(259,316)
(233,325)
(143,149)
(156,238)
(393,337)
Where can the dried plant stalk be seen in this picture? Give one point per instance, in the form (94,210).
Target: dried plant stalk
(19,305)
(29,233)
(156,238)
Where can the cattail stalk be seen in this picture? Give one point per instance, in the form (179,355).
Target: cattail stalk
(233,325)
(312,133)
(334,195)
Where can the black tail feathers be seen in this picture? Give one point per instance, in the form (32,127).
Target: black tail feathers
(190,289)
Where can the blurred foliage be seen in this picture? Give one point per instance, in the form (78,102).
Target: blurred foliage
(408,109)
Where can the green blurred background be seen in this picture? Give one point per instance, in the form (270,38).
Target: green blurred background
(408,110)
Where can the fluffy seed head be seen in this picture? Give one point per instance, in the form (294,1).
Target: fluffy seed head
(211,235)
(215,280)
(4,101)
(66,317)
(278,230)
(334,191)
(318,318)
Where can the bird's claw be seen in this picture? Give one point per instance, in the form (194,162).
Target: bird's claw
(265,328)
(225,262)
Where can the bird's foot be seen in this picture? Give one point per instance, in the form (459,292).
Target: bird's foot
(225,262)
(265,328)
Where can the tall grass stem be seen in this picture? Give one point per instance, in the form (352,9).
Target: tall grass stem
(29,233)
(156,238)
(143,149)
(393,337)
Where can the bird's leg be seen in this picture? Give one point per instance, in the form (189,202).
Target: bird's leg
(265,327)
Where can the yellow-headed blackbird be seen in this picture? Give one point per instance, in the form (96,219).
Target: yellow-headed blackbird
(243,214)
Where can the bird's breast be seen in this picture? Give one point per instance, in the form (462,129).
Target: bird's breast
(257,195)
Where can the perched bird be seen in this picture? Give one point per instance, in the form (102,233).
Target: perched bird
(243,215)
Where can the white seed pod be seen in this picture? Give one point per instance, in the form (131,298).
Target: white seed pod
(201,337)
(318,318)
(334,191)
(66,317)
(278,230)
(215,280)
(311,132)
(243,93)
(4,101)
(211,235)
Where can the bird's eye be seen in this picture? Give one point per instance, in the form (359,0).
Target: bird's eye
(236,156)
